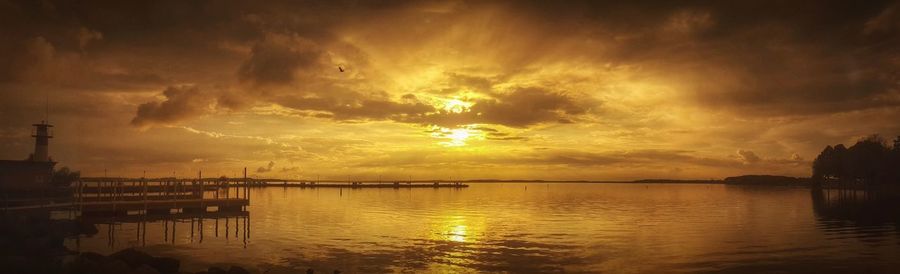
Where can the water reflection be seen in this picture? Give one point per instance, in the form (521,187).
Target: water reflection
(870,215)
(132,230)
(544,228)
(441,256)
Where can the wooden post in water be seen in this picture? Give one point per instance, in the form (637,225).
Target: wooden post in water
(227,191)
(174,195)
(80,196)
(216,193)
(114,193)
(144,193)
(246,186)
(245,183)
(200,181)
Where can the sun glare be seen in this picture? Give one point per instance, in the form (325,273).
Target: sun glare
(454,137)
(457,106)
(459,135)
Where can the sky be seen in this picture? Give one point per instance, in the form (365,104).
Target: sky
(554,90)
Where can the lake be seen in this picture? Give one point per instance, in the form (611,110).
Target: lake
(532,227)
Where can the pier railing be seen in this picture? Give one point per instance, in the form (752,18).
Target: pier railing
(121,196)
(159,195)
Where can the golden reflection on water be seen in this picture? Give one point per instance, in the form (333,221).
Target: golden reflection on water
(457,228)
(457,233)
(529,228)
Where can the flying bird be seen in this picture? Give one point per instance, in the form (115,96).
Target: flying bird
(340,68)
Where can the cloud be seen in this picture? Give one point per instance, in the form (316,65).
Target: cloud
(566,75)
(297,69)
(350,108)
(26,59)
(85,36)
(521,107)
(748,156)
(528,106)
(886,22)
(278,59)
(581,160)
(181,102)
(689,22)
(267,168)
(296,72)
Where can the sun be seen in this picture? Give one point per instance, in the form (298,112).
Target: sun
(459,135)
(455,137)
(457,106)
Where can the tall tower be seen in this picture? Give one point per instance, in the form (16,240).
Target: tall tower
(41,142)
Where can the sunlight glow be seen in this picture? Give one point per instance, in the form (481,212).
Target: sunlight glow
(457,106)
(457,233)
(459,135)
(456,137)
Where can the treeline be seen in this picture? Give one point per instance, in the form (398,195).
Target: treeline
(868,162)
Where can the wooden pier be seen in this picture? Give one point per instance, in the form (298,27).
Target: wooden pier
(359,184)
(97,219)
(159,196)
(142,196)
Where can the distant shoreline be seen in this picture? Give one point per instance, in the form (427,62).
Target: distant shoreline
(736,180)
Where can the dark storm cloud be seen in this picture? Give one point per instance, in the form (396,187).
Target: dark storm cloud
(521,107)
(527,106)
(274,63)
(292,64)
(756,57)
(358,109)
(748,156)
(181,102)
(765,58)
(298,73)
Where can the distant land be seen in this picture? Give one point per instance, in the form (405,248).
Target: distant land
(762,180)
(766,180)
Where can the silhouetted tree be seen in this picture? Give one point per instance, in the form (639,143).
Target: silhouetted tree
(830,164)
(64,176)
(869,161)
(893,162)
(840,165)
(823,166)
(866,158)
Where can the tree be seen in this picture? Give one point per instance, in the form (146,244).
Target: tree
(893,163)
(869,161)
(64,177)
(823,165)
(839,164)
(866,159)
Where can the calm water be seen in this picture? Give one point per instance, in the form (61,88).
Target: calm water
(533,227)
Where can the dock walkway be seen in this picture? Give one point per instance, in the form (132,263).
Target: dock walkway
(121,197)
